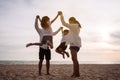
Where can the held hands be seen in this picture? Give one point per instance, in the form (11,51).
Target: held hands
(37,16)
(59,12)
(61,28)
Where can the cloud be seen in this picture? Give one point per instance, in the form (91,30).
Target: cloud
(115,37)
(17,22)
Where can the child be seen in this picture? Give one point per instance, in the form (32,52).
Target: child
(63,45)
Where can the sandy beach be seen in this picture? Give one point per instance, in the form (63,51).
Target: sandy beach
(60,72)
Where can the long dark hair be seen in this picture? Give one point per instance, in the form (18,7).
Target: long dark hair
(44,21)
(75,21)
(78,24)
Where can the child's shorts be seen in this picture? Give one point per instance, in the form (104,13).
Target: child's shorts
(45,38)
(62,45)
(44,53)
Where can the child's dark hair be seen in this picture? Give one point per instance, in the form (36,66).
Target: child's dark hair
(66,30)
(44,21)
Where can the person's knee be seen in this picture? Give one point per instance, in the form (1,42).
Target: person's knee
(47,62)
(74,55)
(74,59)
(40,61)
(57,50)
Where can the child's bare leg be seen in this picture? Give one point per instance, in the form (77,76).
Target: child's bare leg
(66,53)
(29,44)
(63,55)
(60,51)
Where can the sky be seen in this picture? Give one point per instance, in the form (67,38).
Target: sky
(100,32)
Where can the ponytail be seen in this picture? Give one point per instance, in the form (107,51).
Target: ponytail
(78,23)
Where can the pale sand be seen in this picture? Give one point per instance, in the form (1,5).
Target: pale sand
(60,72)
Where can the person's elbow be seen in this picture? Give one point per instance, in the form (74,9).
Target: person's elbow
(54,34)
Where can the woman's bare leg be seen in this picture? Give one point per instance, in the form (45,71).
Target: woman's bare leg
(47,66)
(75,64)
(40,66)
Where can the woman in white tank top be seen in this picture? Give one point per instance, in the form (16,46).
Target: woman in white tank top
(75,44)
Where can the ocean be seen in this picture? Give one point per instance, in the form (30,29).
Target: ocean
(33,62)
(55,62)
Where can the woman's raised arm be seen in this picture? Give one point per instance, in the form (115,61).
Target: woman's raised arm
(55,18)
(65,23)
(54,33)
(36,25)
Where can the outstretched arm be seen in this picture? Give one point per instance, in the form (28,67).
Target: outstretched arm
(63,21)
(54,33)
(54,18)
(31,44)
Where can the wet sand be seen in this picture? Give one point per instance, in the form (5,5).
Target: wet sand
(60,72)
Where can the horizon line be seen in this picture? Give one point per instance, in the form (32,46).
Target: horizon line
(57,62)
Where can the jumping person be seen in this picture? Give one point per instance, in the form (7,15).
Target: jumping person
(64,42)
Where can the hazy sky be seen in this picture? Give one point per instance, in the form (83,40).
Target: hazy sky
(100,33)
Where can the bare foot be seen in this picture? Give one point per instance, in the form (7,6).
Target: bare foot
(48,74)
(75,75)
(29,44)
(63,56)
